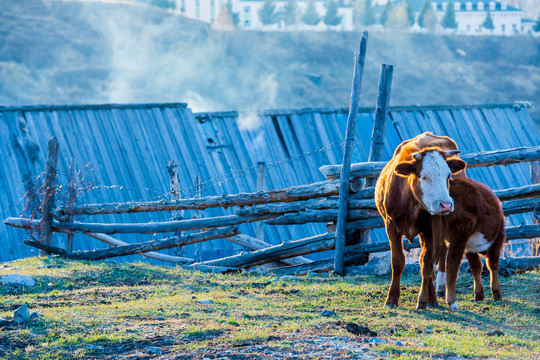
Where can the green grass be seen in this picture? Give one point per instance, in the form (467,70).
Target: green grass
(99,309)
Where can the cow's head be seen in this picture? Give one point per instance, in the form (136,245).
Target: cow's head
(430,173)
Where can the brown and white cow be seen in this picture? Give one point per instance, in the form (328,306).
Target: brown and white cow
(414,190)
(475,226)
(410,194)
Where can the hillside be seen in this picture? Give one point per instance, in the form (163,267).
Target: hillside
(66,52)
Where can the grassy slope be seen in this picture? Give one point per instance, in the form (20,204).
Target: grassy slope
(92,52)
(106,309)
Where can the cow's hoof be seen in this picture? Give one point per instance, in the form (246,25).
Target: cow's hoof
(496,295)
(478,297)
(433,305)
(390,306)
(441,294)
(454,307)
(421,305)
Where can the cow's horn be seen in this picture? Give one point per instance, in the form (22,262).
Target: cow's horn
(417,156)
(452,152)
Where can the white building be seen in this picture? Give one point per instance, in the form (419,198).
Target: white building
(208,10)
(471,14)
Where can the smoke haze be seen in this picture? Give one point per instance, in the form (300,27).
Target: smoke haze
(69,52)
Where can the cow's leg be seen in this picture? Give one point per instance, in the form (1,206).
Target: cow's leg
(398,264)
(453,260)
(441,270)
(427,270)
(476,270)
(492,262)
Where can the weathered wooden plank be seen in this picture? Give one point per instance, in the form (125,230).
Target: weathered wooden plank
(302,206)
(140,228)
(480,159)
(323,216)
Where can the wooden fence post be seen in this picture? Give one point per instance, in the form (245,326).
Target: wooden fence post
(261,184)
(72,199)
(535,179)
(379,128)
(49,189)
(174,188)
(339,259)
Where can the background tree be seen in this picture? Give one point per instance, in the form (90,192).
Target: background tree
(537,24)
(383,19)
(235,16)
(311,16)
(368,17)
(331,18)
(449,19)
(165,4)
(430,20)
(488,23)
(410,12)
(290,13)
(426,6)
(267,13)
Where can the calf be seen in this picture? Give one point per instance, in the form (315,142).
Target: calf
(412,190)
(475,226)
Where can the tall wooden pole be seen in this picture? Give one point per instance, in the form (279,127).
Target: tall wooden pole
(347,157)
(49,189)
(381,113)
(379,127)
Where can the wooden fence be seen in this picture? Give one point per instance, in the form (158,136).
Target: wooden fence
(317,202)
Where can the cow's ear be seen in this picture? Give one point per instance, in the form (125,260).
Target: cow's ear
(456,165)
(405,169)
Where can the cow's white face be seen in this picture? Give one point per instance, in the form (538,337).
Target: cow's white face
(429,178)
(435,184)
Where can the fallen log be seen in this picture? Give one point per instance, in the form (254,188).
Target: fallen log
(275,253)
(480,159)
(210,269)
(528,191)
(256,244)
(139,247)
(522,232)
(520,206)
(141,228)
(353,256)
(521,264)
(152,255)
(295,193)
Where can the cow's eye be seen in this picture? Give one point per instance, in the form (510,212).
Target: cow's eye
(424,178)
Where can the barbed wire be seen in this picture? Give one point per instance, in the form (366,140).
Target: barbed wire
(191,191)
